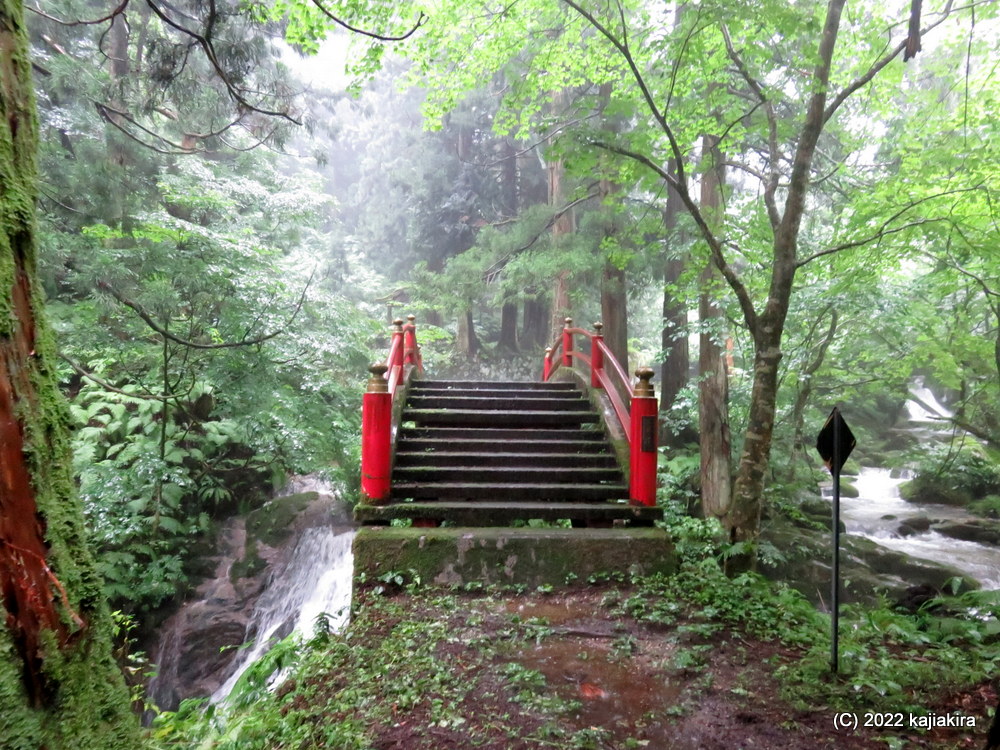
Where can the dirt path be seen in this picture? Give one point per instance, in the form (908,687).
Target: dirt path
(574,670)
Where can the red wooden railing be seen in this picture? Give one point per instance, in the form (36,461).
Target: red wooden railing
(378,430)
(635,408)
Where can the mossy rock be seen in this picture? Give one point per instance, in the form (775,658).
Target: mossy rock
(272,522)
(973,530)
(249,566)
(851,468)
(923,491)
(849,490)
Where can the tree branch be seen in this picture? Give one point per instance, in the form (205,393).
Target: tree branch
(882,231)
(715,246)
(105,384)
(874,70)
(340,22)
(148,320)
(643,87)
(771,183)
(209,50)
(116,12)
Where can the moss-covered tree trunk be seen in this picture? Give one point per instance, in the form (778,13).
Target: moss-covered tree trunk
(59,685)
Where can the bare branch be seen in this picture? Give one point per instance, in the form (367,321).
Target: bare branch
(117,11)
(340,22)
(771,183)
(874,70)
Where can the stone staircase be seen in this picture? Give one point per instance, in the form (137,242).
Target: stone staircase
(475,453)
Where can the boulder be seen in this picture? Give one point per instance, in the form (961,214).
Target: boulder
(982,531)
(914,525)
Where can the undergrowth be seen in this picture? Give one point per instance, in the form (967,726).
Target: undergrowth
(414,655)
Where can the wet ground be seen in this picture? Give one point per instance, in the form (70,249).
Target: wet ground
(619,683)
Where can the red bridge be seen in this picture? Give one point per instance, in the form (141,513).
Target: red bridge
(580,444)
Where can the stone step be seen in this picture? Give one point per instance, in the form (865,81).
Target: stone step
(494,403)
(490,491)
(520,434)
(515,475)
(526,556)
(505,417)
(496,385)
(458,457)
(424,445)
(508,393)
(500,514)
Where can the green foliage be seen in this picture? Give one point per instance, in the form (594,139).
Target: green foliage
(955,473)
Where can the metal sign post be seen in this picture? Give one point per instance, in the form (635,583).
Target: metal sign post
(835,443)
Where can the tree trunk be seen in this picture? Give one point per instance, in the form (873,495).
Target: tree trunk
(534,324)
(676,367)
(563,226)
(767,327)
(59,686)
(713,382)
(614,312)
(614,303)
(467,342)
(508,327)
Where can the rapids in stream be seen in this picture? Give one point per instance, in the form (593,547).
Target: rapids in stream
(879,510)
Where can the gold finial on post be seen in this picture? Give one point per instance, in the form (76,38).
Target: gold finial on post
(411,317)
(599,326)
(377,382)
(644,389)
(397,325)
(569,322)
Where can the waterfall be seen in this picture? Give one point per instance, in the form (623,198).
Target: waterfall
(315,580)
(197,649)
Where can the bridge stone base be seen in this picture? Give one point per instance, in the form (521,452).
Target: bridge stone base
(510,556)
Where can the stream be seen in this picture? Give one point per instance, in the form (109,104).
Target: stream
(878,511)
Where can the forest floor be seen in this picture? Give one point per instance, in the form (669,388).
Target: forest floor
(576,669)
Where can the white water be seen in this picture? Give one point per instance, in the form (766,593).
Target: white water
(879,497)
(924,408)
(315,580)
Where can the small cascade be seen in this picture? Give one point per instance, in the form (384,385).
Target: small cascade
(879,510)
(295,565)
(315,580)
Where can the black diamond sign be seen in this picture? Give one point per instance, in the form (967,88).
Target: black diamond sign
(835,442)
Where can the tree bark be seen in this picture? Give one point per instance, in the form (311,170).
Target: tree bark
(614,302)
(508,327)
(467,341)
(767,327)
(676,368)
(59,686)
(563,226)
(713,382)
(534,324)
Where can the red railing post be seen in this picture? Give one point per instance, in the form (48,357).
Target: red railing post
(642,441)
(567,356)
(547,365)
(596,356)
(376,437)
(410,341)
(397,333)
